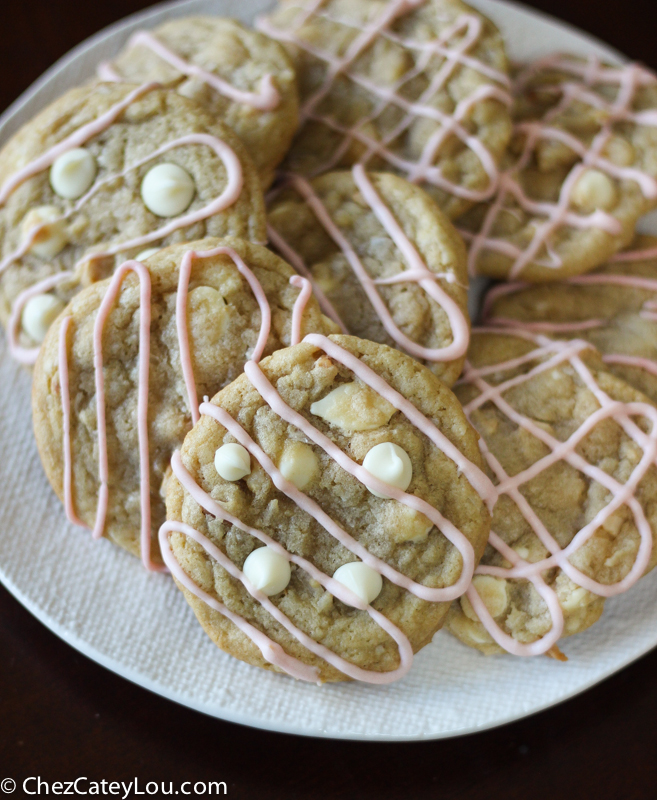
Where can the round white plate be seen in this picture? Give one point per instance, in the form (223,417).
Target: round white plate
(99,600)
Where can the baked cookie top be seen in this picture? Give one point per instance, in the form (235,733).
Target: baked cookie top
(581,170)
(119,377)
(109,171)
(242,77)
(614,308)
(356,469)
(385,262)
(571,448)
(418,87)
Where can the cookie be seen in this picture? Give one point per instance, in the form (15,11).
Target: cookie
(581,171)
(103,174)
(356,468)
(240,76)
(572,450)
(120,374)
(613,308)
(417,87)
(386,264)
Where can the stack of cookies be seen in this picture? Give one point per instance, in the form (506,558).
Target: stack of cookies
(237,262)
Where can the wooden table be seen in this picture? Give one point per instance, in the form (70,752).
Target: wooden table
(62,716)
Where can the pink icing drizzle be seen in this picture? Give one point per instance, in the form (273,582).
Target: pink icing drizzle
(76,139)
(557,215)
(273,399)
(267,98)
(293,258)
(417,271)
(299,306)
(477,479)
(142,402)
(339,591)
(622,494)
(467,26)
(230,194)
(104,310)
(635,255)
(592,279)
(66,423)
(271,651)
(181,315)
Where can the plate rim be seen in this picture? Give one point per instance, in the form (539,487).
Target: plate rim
(133,676)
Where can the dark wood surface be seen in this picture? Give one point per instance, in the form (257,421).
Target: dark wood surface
(63,716)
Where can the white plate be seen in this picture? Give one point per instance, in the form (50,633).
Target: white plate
(99,600)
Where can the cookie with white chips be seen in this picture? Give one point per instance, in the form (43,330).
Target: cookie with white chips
(240,76)
(103,174)
(580,172)
(416,87)
(122,370)
(614,307)
(325,509)
(572,450)
(385,262)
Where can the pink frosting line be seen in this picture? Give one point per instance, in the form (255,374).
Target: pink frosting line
(76,139)
(107,73)
(142,402)
(479,481)
(622,494)
(297,262)
(143,381)
(64,385)
(590,72)
(369,33)
(647,184)
(648,364)
(422,274)
(469,27)
(341,592)
(300,304)
(629,281)
(28,355)
(181,315)
(508,643)
(418,272)
(548,327)
(635,255)
(276,403)
(267,98)
(229,196)
(557,215)
(271,651)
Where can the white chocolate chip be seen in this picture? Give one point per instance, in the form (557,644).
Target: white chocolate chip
(167,190)
(353,407)
(38,315)
(619,151)
(364,582)
(52,238)
(575,599)
(404,524)
(594,190)
(195,89)
(147,253)
(232,461)
(389,463)
(299,464)
(267,570)
(493,593)
(72,174)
